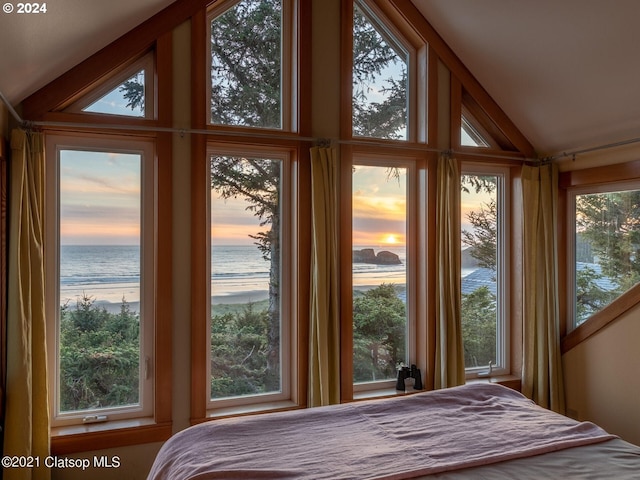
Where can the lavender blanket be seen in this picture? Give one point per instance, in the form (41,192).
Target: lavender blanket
(398,438)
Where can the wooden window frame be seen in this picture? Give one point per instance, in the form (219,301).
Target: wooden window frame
(572,193)
(153,424)
(105,85)
(578,179)
(504,338)
(288,346)
(420,243)
(421,74)
(289,71)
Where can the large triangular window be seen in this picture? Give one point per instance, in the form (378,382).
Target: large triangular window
(380,91)
(128,93)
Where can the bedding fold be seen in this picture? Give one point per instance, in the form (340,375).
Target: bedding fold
(392,439)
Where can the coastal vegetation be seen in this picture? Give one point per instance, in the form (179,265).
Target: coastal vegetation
(99,356)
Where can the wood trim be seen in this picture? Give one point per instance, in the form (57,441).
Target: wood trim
(108,59)
(300,278)
(199,301)
(346,70)
(497,139)
(200,304)
(431,259)
(346,275)
(304,62)
(432,97)
(620,172)
(601,319)
(455,118)
(469,82)
(164,79)
(164,255)
(4,227)
(63,444)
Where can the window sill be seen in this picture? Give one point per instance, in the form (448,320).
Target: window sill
(511,381)
(252,409)
(382,393)
(98,436)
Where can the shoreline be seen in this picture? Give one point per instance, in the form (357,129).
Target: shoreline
(232,298)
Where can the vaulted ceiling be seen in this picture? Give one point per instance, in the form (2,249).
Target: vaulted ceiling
(567,73)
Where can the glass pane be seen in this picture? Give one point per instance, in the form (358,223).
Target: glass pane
(606,249)
(380,321)
(479,313)
(245,276)
(99,349)
(126,99)
(246,61)
(380,66)
(469,135)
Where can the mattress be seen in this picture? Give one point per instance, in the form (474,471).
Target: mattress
(473,431)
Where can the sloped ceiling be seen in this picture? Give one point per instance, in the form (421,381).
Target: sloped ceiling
(566,72)
(37,48)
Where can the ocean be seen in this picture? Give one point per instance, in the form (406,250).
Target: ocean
(110,273)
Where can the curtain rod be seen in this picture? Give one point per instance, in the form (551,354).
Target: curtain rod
(256,134)
(12,110)
(597,148)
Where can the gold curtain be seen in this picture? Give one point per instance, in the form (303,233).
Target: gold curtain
(542,367)
(324,351)
(449,354)
(27,414)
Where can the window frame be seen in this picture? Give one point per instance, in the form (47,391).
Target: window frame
(96,91)
(413,347)
(503,255)
(416,50)
(148,168)
(288,68)
(572,193)
(287,319)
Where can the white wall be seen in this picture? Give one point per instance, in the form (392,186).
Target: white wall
(602,378)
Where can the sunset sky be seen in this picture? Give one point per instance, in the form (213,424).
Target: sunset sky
(379,207)
(100,204)
(100,198)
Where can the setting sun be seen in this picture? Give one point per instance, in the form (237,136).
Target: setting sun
(390,238)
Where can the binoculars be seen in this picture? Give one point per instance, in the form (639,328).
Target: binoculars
(409,372)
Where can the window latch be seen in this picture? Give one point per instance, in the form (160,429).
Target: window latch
(94,418)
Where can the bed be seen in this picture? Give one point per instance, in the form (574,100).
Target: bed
(476,431)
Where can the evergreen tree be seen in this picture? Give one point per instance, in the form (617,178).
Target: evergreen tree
(379,324)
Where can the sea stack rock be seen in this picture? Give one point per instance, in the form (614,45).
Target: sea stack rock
(368,255)
(387,258)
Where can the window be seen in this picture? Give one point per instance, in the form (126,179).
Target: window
(484,253)
(250,76)
(470,135)
(129,93)
(380,92)
(126,99)
(381,276)
(250,256)
(606,245)
(100,279)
